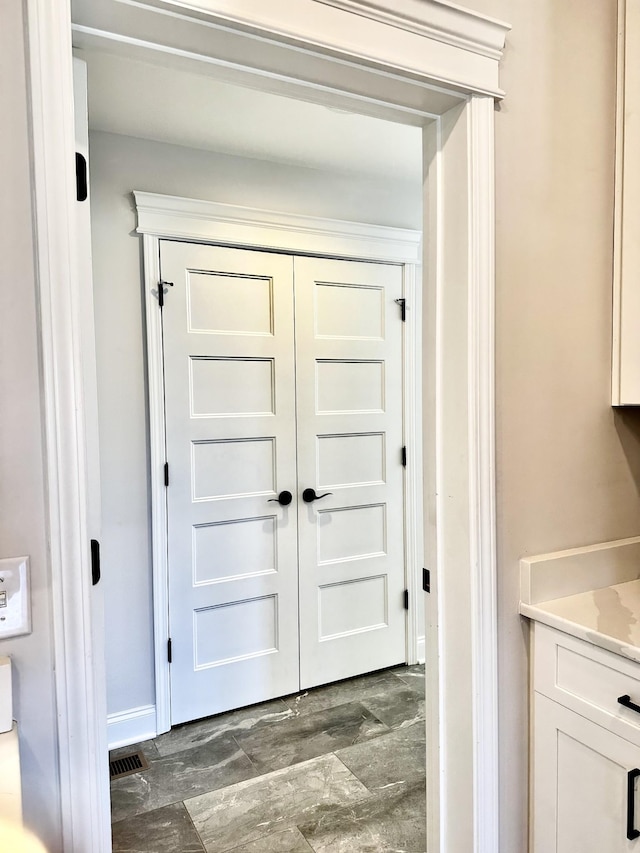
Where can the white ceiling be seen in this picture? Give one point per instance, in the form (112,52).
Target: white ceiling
(181,107)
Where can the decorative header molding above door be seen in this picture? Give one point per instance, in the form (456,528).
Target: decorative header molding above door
(228,224)
(428,43)
(435,19)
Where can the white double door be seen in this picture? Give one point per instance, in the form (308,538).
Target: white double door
(282,374)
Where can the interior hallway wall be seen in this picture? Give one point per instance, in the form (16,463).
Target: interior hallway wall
(568,465)
(118,165)
(22,476)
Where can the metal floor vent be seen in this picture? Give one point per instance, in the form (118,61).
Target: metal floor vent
(125,765)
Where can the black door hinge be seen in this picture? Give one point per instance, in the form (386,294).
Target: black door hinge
(161,291)
(403,309)
(406,599)
(95,561)
(81,177)
(169,653)
(426,580)
(404,456)
(166,473)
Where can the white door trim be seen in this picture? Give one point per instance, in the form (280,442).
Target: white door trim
(171,217)
(459,173)
(482,466)
(456,48)
(79,687)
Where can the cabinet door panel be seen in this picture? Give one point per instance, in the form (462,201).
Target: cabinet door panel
(579,784)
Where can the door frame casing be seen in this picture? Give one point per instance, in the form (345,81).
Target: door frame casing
(392,65)
(162,217)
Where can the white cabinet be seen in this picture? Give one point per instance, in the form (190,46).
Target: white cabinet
(626,294)
(581,776)
(585,780)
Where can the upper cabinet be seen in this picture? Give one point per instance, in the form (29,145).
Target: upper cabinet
(625,388)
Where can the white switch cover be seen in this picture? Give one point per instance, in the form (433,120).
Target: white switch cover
(15,604)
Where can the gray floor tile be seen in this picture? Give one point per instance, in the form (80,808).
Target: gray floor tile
(248,811)
(393,821)
(204,731)
(290,841)
(166,830)
(341,692)
(300,738)
(397,757)
(183,774)
(399,707)
(368,797)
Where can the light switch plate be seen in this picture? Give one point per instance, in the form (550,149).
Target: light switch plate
(15,603)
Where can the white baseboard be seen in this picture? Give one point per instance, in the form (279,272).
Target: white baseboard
(421,650)
(132,726)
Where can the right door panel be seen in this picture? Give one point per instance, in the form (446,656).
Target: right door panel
(349,426)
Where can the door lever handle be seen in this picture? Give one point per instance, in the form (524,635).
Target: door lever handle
(309,495)
(284,499)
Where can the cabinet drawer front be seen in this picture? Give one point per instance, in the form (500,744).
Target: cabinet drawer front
(588,680)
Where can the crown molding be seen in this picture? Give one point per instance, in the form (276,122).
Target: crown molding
(428,44)
(195,219)
(435,19)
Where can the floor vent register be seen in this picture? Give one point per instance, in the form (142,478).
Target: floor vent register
(125,765)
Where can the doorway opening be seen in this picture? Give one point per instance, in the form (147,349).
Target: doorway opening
(283,370)
(443,69)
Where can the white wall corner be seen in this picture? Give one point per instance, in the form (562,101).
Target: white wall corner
(132,726)
(421,650)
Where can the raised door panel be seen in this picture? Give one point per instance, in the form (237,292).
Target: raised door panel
(229,377)
(349,425)
(580,783)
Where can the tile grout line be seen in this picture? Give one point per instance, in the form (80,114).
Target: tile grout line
(306,840)
(355,776)
(248,757)
(198,836)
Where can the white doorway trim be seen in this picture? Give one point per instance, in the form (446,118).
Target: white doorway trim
(437,65)
(170,217)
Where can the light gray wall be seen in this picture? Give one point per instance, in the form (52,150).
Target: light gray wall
(22,482)
(120,164)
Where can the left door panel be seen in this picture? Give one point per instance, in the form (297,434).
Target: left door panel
(232,548)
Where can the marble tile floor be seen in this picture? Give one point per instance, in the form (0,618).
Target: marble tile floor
(337,769)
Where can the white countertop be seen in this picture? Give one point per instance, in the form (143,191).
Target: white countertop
(608,617)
